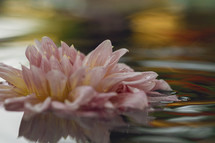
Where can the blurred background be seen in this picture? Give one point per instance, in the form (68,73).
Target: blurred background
(175,38)
(167,30)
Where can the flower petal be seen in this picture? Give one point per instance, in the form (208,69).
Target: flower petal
(95,76)
(27,76)
(54,63)
(131,100)
(49,48)
(33,56)
(69,52)
(162,85)
(45,65)
(82,95)
(77,63)
(17,103)
(39,82)
(115,56)
(76,79)
(12,76)
(66,66)
(100,55)
(101,99)
(57,83)
(38,107)
(120,67)
(163,98)
(6,91)
(113,80)
(145,77)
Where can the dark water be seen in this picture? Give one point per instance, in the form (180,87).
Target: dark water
(179,46)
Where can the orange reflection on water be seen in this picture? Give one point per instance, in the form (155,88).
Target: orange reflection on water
(190,103)
(161,123)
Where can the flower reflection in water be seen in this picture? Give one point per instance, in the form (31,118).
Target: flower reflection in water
(49,127)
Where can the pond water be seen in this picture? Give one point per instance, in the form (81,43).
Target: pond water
(178,46)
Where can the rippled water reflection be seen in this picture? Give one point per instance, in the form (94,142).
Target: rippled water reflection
(179,49)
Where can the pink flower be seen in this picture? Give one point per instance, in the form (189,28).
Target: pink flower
(63,79)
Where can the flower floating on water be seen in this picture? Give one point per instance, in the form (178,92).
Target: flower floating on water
(63,79)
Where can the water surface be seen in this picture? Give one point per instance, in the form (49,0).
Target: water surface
(177,46)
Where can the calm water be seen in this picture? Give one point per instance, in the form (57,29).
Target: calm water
(178,46)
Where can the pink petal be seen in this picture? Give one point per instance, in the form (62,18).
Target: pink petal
(82,95)
(38,45)
(45,65)
(77,78)
(147,86)
(35,108)
(6,91)
(38,107)
(145,81)
(39,81)
(163,98)
(115,56)
(77,63)
(95,76)
(162,85)
(113,80)
(100,55)
(33,56)
(70,52)
(60,107)
(17,103)
(54,63)
(66,66)
(131,100)
(57,83)
(12,76)
(120,67)
(27,76)
(49,48)
(100,100)
(145,77)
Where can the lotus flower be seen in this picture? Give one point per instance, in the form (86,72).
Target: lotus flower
(65,80)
